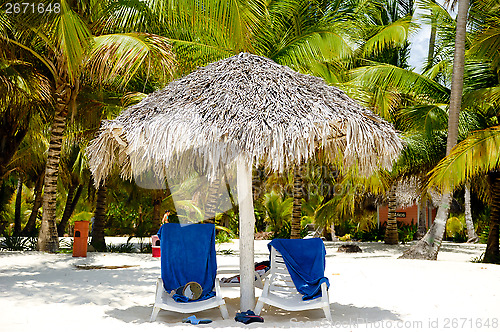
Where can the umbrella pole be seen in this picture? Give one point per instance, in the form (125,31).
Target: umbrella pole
(247,224)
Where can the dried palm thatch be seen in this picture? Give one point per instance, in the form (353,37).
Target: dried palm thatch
(243,103)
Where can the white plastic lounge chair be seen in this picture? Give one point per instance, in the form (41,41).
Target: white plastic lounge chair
(230,271)
(164,301)
(188,255)
(279,291)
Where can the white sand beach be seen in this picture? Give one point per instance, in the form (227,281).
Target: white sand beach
(372,290)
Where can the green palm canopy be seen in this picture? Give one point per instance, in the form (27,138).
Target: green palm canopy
(249,109)
(243,103)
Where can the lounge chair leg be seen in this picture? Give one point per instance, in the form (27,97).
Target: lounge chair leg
(156,310)
(328,313)
(223,311)
(258,307)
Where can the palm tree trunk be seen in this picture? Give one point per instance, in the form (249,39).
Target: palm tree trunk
(258,179)
(17,212)
(391,231)
(432,41)
(211,206)
(74,194)
(98,241)
(48,239)
(492,253)
(157,215)
(422,211)
(30,228)
(297,202)
(471,233)
(428,246)
(332,232)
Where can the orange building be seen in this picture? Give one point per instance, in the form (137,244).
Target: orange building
(407,215)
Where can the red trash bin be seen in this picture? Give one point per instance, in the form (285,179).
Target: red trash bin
(81,238)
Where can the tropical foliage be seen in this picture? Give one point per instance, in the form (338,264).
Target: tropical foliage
(61,73)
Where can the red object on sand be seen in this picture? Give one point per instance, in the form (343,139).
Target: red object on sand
(155,240)
(81,238)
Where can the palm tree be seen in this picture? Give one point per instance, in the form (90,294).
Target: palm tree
(98,241)
(278,210)
(476,155)
(24,92)
(428,247)
(385,43)
(63,42)
(73,171)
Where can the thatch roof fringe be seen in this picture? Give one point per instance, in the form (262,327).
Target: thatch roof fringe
(243,103)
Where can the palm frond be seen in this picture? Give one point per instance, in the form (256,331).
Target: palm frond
(477,154)
(487,42)
(384,77)
(424,117)
(117,58)
(438,69)
(395,34)
(483,98)
(73,38)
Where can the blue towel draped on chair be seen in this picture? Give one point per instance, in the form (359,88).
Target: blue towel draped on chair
(188,254)
(305,260)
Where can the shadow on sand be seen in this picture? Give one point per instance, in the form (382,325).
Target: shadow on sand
(343,315)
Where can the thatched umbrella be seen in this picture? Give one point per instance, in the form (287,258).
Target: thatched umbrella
(249,108)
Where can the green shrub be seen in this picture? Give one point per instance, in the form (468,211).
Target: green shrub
(145,248)
(483,235)
(223,237)
(121,248)
(456,229)
(406,233)
(17,243)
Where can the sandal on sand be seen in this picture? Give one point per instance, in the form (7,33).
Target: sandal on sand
(248,317)
(195,321)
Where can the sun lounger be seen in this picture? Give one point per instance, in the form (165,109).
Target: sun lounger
(188,255)
(306,287)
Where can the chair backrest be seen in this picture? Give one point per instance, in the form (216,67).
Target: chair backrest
(188,254)
(305,262)
(281,281)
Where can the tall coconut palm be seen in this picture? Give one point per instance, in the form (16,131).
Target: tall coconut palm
(98,241)
(476,155)
(385,42)
(428,247)
(64,43)
(73,171)
(471,233)
(298,195)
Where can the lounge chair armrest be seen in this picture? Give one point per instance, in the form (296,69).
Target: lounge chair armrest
(324,291)
(217,286)
(228,270)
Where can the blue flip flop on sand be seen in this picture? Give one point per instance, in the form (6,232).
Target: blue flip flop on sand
(195,321)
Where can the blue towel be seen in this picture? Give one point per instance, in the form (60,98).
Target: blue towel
(305,260)
(188,254)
